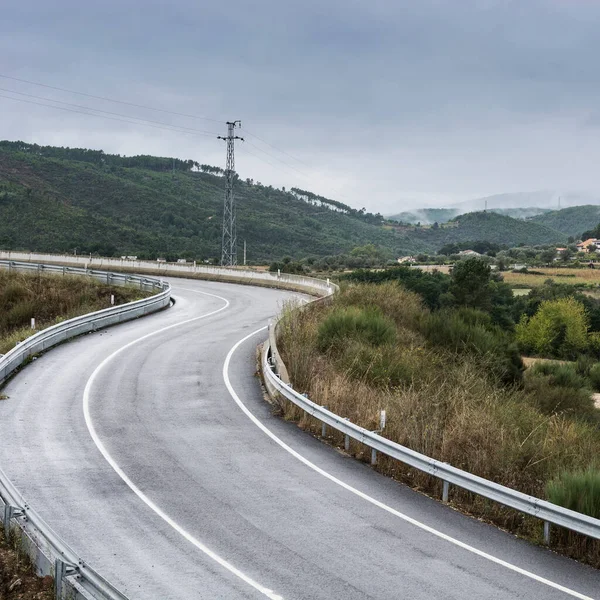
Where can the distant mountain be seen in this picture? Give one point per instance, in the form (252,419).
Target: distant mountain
(483,226)
(546,199)
(571,221)
(429,216)
(426,216)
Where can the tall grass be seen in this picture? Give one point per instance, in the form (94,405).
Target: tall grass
(440,401)
(350,323)
(578,490)
(49,298)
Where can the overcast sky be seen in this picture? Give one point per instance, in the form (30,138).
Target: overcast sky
(384,104)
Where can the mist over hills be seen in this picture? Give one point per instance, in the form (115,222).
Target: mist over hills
(520,205)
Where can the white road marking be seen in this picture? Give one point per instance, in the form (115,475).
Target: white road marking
(111,461)
(374,501)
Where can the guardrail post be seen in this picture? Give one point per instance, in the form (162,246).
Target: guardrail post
(323,427)
(546,533)
(60,571)
(8,515)
(445,491)
(373,456)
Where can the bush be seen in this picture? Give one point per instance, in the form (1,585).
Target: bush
(594,377)
(549,396)
(584,364)
(346,324)
(578,491)
(563,375)
(464,332)
(558,329)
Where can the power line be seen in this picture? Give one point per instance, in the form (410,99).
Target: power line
(275,147)
(277,159)
(91,108)
(145,107)
(89,114)
(139,121)
(107,99)
(267,162)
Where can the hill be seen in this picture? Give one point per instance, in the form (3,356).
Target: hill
(429,216)
(425,216)
(488,226)
(571,221)
(58,199)
(546,199)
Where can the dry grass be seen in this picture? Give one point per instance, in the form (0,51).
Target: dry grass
(558,275)
(448,409)
(50,299)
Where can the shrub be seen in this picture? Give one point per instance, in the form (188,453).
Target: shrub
(552,398)
(559,329)
(594,376)
(563,374)
(578,490)
(450,330)
(346,324)
(584,364)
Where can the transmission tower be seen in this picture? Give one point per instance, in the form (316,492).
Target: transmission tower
(229,243)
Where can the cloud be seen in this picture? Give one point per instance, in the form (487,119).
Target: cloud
(388,105)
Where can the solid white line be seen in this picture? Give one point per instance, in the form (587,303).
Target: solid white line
(111,461)
(372,500)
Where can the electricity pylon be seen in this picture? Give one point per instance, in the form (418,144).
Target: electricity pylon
(229,243)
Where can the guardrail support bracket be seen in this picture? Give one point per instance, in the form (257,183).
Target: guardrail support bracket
(9,513)
(61,571)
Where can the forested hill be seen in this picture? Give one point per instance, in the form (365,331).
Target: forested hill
(55,199)
(571,221)
(490,227)
(59,199)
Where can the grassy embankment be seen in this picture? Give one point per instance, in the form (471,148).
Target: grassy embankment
(453,389)
(50,299)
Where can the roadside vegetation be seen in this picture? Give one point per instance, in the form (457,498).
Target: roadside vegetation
(50,299)
(18,580)
(443,356)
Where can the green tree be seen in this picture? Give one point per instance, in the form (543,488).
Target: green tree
(548,255)
(471,283)
(559,329)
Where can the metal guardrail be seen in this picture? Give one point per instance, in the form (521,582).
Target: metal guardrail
(61,561)
(250,276)
(449,475)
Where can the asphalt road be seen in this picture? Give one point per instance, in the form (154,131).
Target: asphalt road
(130,444)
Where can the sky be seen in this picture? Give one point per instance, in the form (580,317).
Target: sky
(389,105)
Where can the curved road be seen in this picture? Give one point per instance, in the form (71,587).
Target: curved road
(168,473)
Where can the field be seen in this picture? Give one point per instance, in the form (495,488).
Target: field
(559,275)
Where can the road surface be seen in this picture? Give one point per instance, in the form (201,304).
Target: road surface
(145,455)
